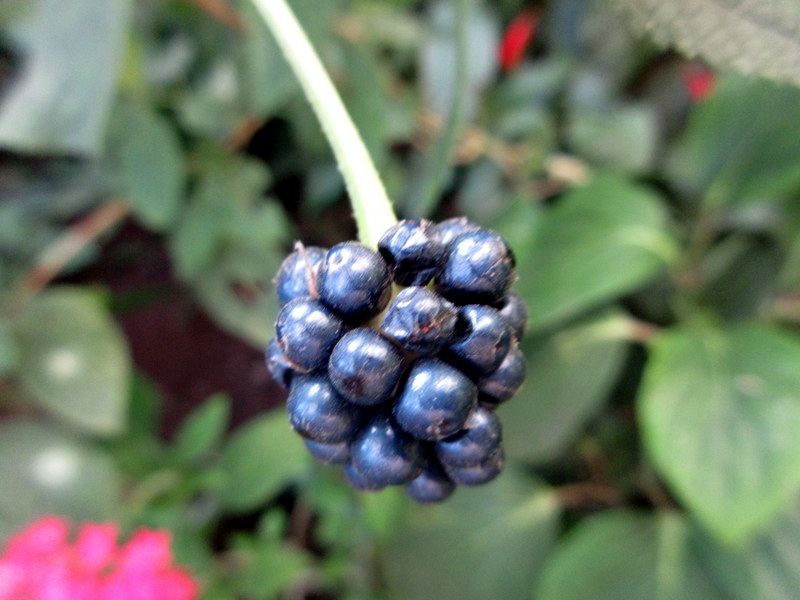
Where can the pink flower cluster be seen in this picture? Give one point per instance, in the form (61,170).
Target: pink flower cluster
(40,563)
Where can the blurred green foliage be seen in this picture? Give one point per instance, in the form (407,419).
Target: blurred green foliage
(654,452)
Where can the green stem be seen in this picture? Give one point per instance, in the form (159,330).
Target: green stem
(371,206)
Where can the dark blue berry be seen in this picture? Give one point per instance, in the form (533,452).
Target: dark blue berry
(479,269)
(332,454)
(501,385)
(515,313)
(414,256)
(384,454)
(354,281)
(307,331)
(297,276)
(450,229)
(482,340)
(365,367)
(435,400)
(432,485)
(282,368)
(481,436)
(318,413)
(359,482)
(420,320)
(482,473)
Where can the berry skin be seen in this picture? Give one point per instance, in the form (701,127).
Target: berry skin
(483,340)
(318,413)
(354,281)
(332,454)
(514,311)
(435,401)
(359,482)
(365,367)
(501,385)
(384,454)
(432,485)
(450,229)
(481,473)
(420,320)
(479,269)
(413,254)
(481,436)
(307,331)
(297,276)
(282,368)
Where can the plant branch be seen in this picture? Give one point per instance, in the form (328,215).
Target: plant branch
(371,206)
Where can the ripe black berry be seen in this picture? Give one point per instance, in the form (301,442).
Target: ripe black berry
(481,473)
(515,313)
(281,367)
(450,229)
(432,485)
(318,413)
(481,436)
(413,254)
(297,276)
(420,320)
(332,454)
(384,454)
(482,340)
(307,331)
(359,482)
(501,385)
(354,281)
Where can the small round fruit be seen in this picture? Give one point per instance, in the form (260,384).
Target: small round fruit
(297,276)
(307,331)
(482,340)
(432,485)
(318,413)
(414,256)
(514,311)
(384,454)
(332,454)
(479,269)
(282,368)
(354,281)
(481,473)
(501,385)
(365,367)
(450,229)
(481,436)
(420,320)
(435,400)
(359,482)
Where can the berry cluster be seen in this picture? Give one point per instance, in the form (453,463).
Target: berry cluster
(401,390)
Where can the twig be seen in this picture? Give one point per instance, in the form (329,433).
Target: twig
(222,12)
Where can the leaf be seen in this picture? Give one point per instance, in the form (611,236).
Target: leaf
(149,161)
(719,413)
(45,470)
(740,145)
(203,429)
(259,459)
(61,99)
(624,554)
(486,542)
(553,404)
(754,37)
(73,359)
(599,242)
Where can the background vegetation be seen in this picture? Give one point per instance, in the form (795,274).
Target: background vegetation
(158,161)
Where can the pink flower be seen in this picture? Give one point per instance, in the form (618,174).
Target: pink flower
(42,563)
(516,38)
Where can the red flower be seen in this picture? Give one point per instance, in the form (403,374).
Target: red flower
(699,82)
(40,563)
(518,35)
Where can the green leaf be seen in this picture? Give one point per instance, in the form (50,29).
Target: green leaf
(59,102)
(553,404)
(624,554)
(599,242)
(486,542)
(259,460)
(203,429)
(147,155)
(759,38)
(720,412)
(740,145)
(74,359)
(45,470)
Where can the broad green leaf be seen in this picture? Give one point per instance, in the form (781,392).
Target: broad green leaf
(760,38)
(553,404)
(71,53)
(146,152)
(599,242)
(203,429)
(486,542)
(741,144)
(73,359)
(624,554)
(259,459)
(45,470)
(720,412)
